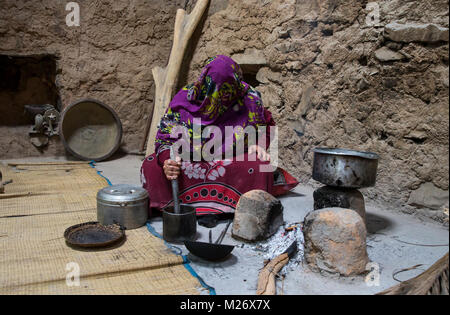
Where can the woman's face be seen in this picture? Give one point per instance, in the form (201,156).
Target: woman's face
(220,85)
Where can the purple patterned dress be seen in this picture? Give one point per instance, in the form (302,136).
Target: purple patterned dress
(219,98)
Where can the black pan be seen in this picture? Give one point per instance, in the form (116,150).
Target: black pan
(210,251)
(93,235)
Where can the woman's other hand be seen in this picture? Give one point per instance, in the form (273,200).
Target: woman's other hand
(172,168)
(260,152)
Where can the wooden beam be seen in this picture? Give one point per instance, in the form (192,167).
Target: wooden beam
(166,79)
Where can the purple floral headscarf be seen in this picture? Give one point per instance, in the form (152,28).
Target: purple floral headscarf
(219,98)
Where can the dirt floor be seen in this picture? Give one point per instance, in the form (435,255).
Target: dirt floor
(395,241)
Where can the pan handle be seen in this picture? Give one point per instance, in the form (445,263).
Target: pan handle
(222,235)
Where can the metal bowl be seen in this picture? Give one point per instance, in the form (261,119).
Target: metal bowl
(208,251)
(345,168)
(90,130)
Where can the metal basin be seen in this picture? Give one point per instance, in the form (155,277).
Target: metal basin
(208,251)
(345,168)
(90,130)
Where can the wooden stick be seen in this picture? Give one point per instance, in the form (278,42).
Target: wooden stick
(266,279)
(166,79)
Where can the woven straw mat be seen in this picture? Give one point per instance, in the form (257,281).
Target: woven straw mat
(45,199)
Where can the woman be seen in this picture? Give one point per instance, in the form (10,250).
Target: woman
(219,98)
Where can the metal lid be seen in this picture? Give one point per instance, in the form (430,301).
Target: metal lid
(122,193)
(337,151)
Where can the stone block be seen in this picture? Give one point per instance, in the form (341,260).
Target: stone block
(332,197)
(258,216)
(429,196)
(335,241)
(415,32)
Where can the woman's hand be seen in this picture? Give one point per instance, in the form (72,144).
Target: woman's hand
(172,168)
(260,152)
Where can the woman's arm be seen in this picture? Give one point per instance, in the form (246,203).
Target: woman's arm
(262,152)
(172,169)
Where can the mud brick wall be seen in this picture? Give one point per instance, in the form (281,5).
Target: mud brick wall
(329,75)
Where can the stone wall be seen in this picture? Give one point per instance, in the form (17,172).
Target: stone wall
(109,57)
(332,79)
(329,76)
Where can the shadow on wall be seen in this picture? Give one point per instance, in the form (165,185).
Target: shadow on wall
(214,6)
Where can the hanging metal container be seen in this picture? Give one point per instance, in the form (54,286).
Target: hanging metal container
(90,130)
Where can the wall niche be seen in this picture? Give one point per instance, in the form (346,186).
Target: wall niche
(25,80)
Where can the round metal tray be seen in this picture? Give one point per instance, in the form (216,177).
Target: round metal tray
(93,234)
(90,130)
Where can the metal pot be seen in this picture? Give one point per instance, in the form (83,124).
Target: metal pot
(179,227)
(345,168)
(125,205)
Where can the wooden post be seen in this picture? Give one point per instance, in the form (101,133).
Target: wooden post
(166,79)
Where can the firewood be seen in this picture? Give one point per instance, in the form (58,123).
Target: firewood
(166,78)
(266,279)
